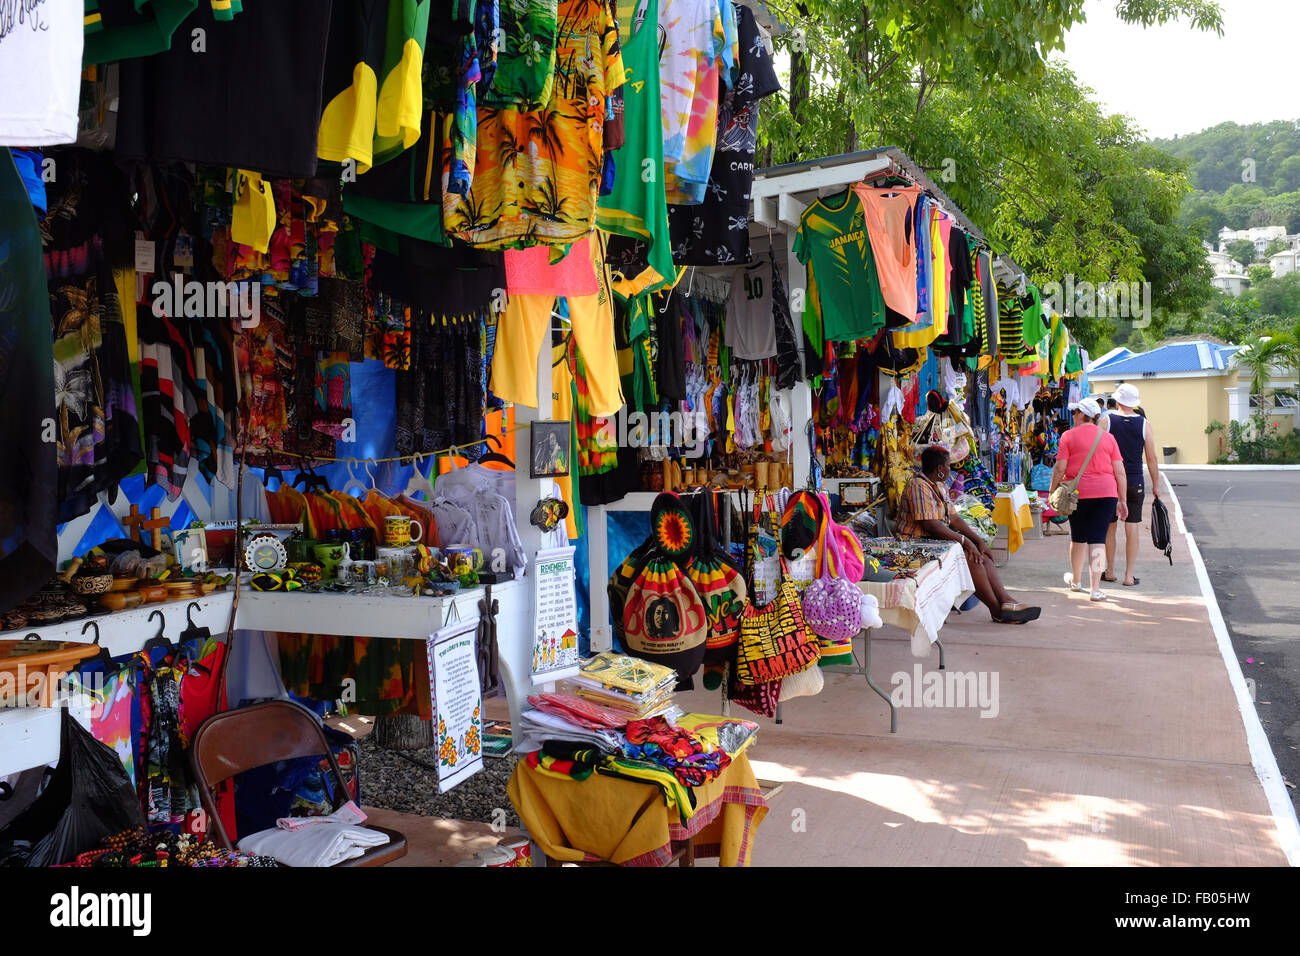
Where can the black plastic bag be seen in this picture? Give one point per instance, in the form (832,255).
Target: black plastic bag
(89,797)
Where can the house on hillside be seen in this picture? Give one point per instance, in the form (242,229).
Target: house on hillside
(1288,260)
(1185,386)
(1261,236)
(1229,274)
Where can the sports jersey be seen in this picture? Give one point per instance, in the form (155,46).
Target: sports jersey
(751,329)
(40,73)
(832,241)
(716,232)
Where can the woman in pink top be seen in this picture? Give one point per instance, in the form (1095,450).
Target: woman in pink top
(1103,491)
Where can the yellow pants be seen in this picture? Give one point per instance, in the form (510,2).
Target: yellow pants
(527,320)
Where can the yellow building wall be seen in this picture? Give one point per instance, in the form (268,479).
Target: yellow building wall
(1179,409)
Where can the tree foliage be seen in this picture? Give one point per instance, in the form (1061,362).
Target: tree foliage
(967,89)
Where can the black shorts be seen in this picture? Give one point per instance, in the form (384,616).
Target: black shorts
(1091,520)
(1136,496)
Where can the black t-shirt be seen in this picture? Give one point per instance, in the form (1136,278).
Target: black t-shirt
(716,232)
(251,99)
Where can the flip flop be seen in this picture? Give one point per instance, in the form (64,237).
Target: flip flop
(1136,582)
(1112,579)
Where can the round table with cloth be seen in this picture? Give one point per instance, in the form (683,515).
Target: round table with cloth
(625,822)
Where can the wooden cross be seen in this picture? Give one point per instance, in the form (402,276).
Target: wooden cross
(154,523)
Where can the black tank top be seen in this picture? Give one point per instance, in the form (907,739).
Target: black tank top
(1130,435)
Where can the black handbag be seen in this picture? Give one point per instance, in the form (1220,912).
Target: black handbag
(1160,536)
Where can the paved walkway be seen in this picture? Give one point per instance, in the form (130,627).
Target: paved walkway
(1117,740)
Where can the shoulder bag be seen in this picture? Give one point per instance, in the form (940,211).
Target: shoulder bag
(1066,496)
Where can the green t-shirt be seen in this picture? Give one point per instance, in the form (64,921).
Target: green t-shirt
(844,290)
(1035,327)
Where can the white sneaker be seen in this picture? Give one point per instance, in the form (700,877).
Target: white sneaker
(1073,584)
(1096,595)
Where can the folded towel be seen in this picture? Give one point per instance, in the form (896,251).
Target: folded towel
(327,844)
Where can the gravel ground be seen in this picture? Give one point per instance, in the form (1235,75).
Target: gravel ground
(390,780)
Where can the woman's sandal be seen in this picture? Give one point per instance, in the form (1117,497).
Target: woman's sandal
(1112,579)
(1018,614)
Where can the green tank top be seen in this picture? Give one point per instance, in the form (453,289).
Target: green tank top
(638,205)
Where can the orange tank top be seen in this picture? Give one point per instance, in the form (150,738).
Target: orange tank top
(889,212)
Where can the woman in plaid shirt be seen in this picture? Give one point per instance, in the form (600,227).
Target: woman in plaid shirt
(926,512)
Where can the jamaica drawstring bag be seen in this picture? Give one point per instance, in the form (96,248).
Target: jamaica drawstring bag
(664,619)
(621,581)
(719,583)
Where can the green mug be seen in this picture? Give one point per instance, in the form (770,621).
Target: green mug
(328,557)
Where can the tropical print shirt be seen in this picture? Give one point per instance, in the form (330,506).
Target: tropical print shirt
(537,175)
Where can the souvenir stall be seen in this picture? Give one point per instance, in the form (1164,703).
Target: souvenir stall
(300,357)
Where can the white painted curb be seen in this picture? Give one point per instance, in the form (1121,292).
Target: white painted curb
(1261,752)
(1230,468)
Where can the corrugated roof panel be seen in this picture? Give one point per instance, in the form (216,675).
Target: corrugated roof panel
(1175,357)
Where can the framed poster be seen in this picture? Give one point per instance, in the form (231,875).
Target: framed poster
(457,703)
(555,612)
(550,450)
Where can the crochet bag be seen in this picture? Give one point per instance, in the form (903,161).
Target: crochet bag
(664,620)
(774,640)
(832,605)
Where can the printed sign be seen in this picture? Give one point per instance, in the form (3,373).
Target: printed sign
(555,610)
(457,703)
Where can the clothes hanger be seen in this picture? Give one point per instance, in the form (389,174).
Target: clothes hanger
(354,481)
(103,657)
(158,642)
(496,455)
(310,480)
(419,482)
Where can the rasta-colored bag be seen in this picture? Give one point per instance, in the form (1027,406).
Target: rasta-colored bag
(664,619)
(621,581)
(720,584)
(774,640)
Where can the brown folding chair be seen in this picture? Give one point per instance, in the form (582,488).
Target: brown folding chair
(230,743)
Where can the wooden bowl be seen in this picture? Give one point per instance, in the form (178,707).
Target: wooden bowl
(124,584)
(151,592)
(121,600)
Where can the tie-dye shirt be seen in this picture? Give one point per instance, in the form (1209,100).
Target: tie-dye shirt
(692,38)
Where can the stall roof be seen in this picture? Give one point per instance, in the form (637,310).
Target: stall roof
(781,193)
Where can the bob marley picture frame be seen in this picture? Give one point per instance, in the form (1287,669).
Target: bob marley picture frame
(550,450)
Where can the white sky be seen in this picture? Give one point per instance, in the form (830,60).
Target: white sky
(1175,80)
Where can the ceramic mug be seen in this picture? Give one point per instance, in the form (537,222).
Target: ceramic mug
(397,531)
(463,557)
(328,557)
(300,549)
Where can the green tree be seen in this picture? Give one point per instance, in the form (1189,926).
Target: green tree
(1258,274)
(1243,250)
(1261,356)
(1281,296)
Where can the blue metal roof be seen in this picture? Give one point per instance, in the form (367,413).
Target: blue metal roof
(1116,355)
(1175,357)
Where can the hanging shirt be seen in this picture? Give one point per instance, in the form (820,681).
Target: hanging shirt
(692,39)
(526,59)
(537,174)
(636,205)
(845,300)
(40,72)
(751,329)
(716,232)
(889,212)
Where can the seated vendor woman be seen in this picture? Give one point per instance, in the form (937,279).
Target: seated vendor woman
(926,512)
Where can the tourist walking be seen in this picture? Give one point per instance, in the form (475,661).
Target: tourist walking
(1136,441)
(1102,492)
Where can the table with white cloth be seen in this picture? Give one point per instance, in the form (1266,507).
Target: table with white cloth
(1011,510)
(918,604)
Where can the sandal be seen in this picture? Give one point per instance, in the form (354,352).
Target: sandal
(1096,596)
(1073,584)
(1136,582)
(1111,580)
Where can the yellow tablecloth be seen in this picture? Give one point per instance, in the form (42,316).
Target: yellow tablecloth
(608,818)
(1011,510)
